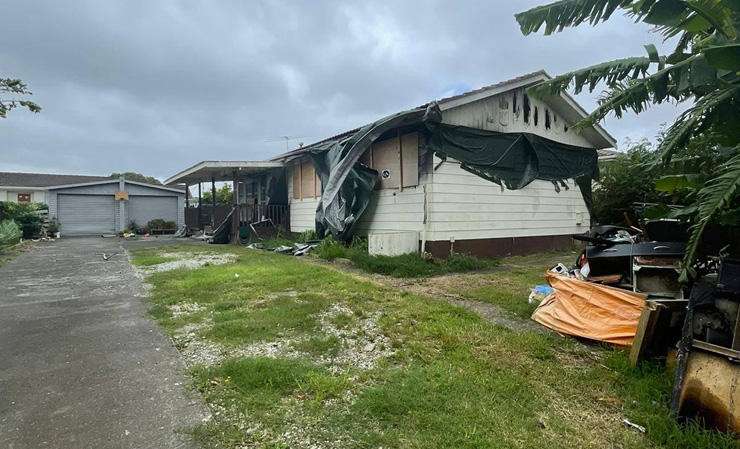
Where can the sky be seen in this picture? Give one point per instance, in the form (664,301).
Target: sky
(155,86)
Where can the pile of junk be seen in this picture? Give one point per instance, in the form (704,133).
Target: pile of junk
(624,290)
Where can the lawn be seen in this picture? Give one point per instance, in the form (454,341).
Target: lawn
(290,354)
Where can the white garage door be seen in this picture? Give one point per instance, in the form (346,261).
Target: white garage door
(142,209)
(86,214)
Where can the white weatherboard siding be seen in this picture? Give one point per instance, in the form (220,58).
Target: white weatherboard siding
(394,210)
(465,206)
(302,212)
(496,113)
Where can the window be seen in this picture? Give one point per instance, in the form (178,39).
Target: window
(396,160)
(306,183)
(24,197)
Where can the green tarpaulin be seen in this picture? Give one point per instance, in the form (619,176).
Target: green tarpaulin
(512,160)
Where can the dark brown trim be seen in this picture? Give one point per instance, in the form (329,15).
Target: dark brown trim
(498,247)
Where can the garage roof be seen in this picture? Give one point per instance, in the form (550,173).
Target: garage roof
(111,181)
(219,171)
(44,179)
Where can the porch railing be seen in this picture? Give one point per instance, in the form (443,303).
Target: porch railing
(279,214)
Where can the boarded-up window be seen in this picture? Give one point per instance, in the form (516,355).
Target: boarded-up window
(317,184)
(308,180)
(397,161)
(296,169)
(410,159)
(387,161)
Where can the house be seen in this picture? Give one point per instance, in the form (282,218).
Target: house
(32,187)
(442,203)
(95,205)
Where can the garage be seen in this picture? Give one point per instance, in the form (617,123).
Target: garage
(144,208)
(87,214)
(109,206)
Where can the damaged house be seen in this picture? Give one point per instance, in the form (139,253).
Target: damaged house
(490,172)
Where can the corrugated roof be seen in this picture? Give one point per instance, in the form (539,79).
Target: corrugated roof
(16,179)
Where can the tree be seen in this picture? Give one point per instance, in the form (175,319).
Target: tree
(137,177)
(704,69)
(224,195)
(11,92)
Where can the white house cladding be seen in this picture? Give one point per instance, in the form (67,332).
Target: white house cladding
(448,206)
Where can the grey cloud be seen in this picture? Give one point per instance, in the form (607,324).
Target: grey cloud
(155,86)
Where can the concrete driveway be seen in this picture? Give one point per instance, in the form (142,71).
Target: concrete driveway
(81,365)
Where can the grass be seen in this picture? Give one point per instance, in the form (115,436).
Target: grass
(451,380)
(509,288)
(403,266)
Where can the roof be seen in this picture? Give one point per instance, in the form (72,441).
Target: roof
(606,154)
(115,180)
(16,179)
(219,171)
(596,133)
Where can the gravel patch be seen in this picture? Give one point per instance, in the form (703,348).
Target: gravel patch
(188,261)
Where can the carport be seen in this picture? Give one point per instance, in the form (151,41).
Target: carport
(109,206)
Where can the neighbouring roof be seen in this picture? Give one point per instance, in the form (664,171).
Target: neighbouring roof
(14,179)
(605,154)
(596,133)
(204,171)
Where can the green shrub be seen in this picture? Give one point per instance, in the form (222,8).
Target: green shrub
(403,266)
(26,216)
(10,233)
(161,224)
(330,249)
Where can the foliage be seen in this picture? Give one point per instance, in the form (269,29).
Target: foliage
(627,179)
(137,177)
(161,224)
(53,226)
(718,196)
(15,89)
(26,216)
(703,69)
(224,195)
(403,266)
(10,233)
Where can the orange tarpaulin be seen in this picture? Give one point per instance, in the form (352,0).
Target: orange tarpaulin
(590,310)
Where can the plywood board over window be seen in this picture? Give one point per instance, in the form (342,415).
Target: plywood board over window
(387,161)
(296,174)
(410,159)
(308,180)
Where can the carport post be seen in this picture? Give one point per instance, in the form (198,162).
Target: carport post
(200,202)
(236,216)
(121,205)
(187,195)
(213,202)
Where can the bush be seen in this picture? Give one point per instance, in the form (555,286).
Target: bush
(330,249)
(404,266)
(10,233)
(26,216)
(161,224)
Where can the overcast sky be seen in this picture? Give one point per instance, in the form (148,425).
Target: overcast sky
(154,86)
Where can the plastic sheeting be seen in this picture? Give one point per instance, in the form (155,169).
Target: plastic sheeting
(590,310)
(512,160)
(347,185)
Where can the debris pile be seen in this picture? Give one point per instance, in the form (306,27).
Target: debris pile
(625,289)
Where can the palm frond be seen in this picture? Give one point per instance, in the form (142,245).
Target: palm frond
(611,73)
(716,196)
(568,13)
(697,119)
(637,95)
